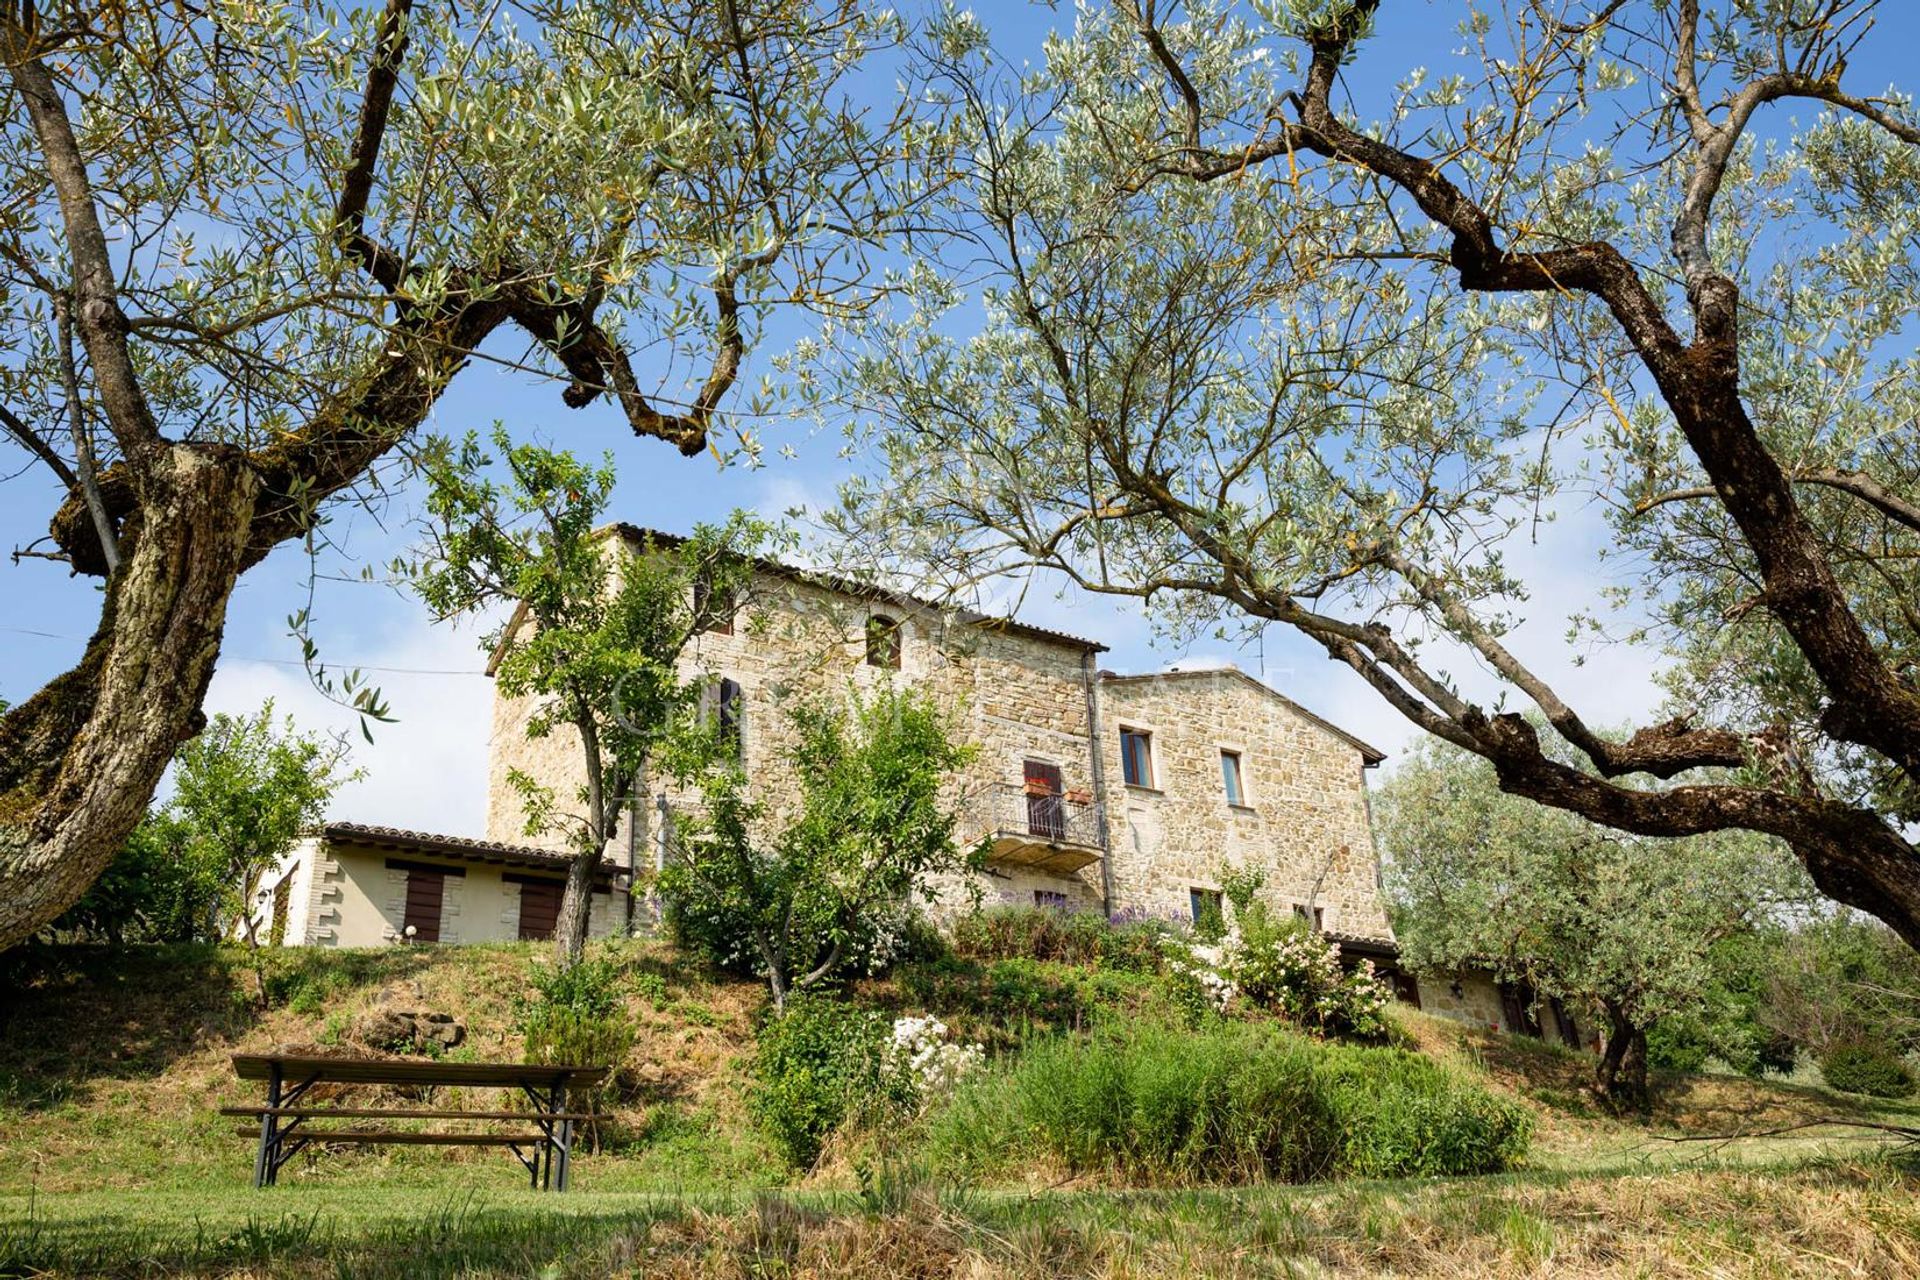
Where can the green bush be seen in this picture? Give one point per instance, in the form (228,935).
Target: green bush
(1856,1066)
(578,1016)
(1066,937)
(813,1068)
(1404,1115)
(1230,1103)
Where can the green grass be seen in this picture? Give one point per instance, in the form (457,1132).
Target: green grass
(1812,1220)
(114,1163)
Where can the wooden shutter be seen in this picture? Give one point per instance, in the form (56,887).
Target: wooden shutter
(282,896)
(425,890)
(539,909)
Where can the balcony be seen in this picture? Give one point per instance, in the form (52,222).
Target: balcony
(1037,830)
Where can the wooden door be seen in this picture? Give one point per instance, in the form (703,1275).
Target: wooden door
(425,889)
(1046,810)
(539,909)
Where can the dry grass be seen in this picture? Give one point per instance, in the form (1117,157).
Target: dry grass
(112,1067)
(1857,1219)
(113,1163)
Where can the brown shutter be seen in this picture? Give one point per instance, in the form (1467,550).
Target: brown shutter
(282,895)
(539,909)
(425,890)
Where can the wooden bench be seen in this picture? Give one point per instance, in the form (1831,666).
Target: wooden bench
(544,1146)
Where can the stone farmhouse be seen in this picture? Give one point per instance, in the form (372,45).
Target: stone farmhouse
(1125,794)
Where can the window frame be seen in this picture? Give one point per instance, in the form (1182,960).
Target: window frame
(1199,894)
(1132,733)
(703,599)
(729,719)
(885,636)
(1235,786)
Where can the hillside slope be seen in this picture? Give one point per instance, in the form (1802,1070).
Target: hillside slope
(113,1066)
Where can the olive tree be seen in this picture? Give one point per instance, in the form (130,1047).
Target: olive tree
(1623,924)
(1229,342)
(247,248)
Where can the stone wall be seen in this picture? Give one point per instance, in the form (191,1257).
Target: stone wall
(1303,819)
(1021,695)
(1015,695)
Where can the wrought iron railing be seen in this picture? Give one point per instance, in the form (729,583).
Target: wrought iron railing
(1010,809)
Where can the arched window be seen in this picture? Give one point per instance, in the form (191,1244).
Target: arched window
(883,642)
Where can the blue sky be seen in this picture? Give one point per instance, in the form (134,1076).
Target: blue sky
(427,770)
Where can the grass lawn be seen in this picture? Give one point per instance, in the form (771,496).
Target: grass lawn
(1824,1218)
(114,1163)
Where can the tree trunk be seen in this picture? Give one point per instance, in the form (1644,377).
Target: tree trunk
(81,758)
(1620,1078)
(570,930)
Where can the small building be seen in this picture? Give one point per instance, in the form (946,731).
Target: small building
(353,885)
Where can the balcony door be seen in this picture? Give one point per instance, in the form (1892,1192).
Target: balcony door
(1046,810)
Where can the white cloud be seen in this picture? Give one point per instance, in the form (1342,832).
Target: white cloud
(428,769)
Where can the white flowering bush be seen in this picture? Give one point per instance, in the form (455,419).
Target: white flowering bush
(922,1065)
(1284,969)
(1201,971)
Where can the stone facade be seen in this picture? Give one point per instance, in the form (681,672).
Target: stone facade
(1034,700)
(1019,693)
(1300,819)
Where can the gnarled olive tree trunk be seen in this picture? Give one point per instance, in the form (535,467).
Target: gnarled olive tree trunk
(80,760)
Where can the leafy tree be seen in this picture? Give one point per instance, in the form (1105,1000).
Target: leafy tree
(1620,923)
(161,888)
(249,247)
(871,829)
(1731,1020)
(595,637)
(1228,342)
(244,791)
(1840,979)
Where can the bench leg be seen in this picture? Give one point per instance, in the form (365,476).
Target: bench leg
(265,1162)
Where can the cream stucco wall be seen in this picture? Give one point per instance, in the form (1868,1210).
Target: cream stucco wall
(348,896)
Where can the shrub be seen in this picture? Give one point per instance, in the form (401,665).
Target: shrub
(885,935)
(578,1016)
(1232,1103)
(815,1065)
(1286,968)
(1403,1115)
(1856,1066)
(1135,945)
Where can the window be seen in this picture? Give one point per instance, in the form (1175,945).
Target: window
(1315,916)
(883,642)
(716,608)
(727,709)
(1136,757)
(426,889)
(1046,814)
(1230,777)
(1208,910)
(1050,899)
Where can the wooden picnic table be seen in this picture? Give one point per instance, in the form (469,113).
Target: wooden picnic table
(543,1144)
